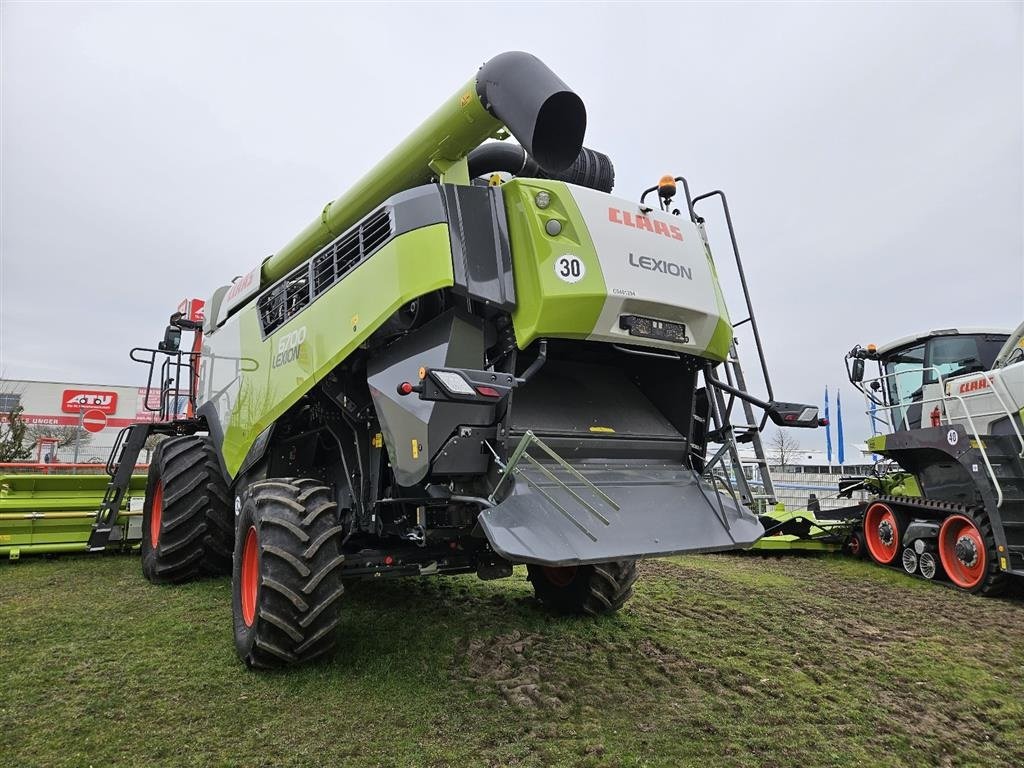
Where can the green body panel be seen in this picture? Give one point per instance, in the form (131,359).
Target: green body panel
(445,138)
(721,340)
(546,306)
(45,514)
(341,319)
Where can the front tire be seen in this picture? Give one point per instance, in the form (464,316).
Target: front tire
(187,521)
(287,573)
(584,589)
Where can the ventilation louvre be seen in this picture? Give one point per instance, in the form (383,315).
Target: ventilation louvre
(307,283)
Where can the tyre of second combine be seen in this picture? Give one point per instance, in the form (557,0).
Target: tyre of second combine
(187,520)
(286,581)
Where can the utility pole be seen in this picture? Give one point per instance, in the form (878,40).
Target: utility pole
(78,431)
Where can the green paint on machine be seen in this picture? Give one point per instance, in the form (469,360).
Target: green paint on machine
(411,265)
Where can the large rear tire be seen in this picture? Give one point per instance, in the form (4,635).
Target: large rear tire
(967,550)
(584,589)
(187,520)
(287,573)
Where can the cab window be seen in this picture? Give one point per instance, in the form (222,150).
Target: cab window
(906,373)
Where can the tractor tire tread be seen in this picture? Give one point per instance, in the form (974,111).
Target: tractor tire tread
(196,534)
(297,604)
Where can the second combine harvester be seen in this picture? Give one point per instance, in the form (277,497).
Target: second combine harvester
(442,375)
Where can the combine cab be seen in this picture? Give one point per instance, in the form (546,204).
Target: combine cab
(952,403)
(475,358)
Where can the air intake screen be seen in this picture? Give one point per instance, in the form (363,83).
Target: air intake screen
(307,283)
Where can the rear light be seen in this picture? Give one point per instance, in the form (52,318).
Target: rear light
(488,392)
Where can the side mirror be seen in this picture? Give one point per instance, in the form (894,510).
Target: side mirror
(857,374)
(172,339)
(794,415)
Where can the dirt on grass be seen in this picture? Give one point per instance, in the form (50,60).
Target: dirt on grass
(718,660)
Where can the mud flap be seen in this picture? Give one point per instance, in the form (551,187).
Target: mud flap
(557,514)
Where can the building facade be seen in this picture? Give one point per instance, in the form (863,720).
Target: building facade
(69,421)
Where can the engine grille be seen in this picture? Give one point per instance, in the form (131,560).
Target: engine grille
(306,284)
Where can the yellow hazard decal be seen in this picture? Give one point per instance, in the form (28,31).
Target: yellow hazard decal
(607,430)
(415,449)
(465,99)
(378,440)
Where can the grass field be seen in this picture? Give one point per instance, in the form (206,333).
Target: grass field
(718,660)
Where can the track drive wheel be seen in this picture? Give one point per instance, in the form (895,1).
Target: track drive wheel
(883,532)
(967,550)
(584,589)
(187,520)
(286,582)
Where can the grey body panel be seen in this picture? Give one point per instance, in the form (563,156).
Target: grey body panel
(452,340)
(663,510)
(481,256)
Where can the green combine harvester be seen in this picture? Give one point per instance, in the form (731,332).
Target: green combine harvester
(476,357)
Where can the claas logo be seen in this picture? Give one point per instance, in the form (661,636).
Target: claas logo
(75,400)
(638,221)
(973,386)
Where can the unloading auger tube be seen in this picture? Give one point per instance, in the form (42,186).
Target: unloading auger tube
(514,90)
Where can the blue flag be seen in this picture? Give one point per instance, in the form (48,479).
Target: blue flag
(828,430)
(839,426)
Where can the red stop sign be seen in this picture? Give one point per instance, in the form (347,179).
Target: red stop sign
(94,421)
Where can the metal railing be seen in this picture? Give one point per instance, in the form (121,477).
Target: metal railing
(945,415)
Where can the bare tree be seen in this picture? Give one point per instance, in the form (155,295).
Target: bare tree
(783,447)
(151,443)
(12,436)
(63,435)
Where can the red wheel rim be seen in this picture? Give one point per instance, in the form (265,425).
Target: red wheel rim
(156,514)
(250,576)
(854,545)
(963,552)
(560,577)
(882,533)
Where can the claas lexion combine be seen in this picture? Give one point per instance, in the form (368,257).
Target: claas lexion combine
(477,357)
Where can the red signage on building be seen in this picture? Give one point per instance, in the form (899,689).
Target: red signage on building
(76,400)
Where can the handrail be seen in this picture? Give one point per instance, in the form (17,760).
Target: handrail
(984,453)
(946,417)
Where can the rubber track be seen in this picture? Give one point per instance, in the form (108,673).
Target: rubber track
(297,608)
(996,581)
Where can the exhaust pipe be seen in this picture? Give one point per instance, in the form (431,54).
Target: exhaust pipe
(514,90)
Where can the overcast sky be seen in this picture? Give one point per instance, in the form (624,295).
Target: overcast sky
(872,154)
